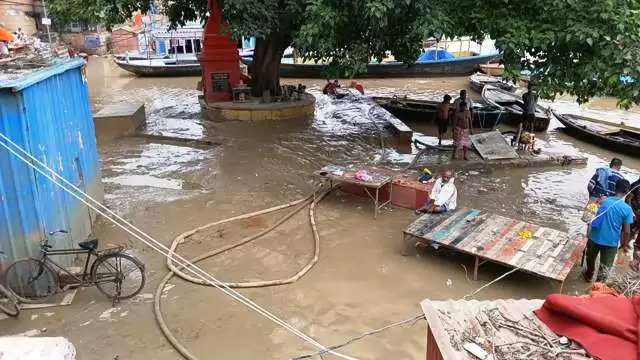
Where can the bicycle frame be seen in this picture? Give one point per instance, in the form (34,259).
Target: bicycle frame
(80,281)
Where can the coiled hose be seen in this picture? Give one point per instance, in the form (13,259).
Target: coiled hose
(310,200)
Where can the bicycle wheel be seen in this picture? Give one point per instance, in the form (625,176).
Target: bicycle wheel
(10,306)
(31,281)
(118,275)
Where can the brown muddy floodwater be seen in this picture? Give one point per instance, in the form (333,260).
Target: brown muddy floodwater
(360,282)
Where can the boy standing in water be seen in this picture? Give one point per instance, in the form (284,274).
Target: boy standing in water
(442,117)
(462,130)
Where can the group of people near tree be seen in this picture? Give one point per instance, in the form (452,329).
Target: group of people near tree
(332,86)
(460,116)
(617,218)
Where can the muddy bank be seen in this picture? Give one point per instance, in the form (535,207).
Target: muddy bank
(361,280)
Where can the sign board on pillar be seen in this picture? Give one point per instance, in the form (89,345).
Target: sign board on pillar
(46,21)
(220,82)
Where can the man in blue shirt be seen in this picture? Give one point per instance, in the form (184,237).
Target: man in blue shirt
(604,181)
(613,219)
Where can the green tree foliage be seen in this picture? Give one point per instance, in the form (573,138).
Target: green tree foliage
(569,46)
(103,12)
(347,35)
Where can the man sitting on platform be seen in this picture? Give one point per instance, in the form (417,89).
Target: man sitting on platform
(443,196)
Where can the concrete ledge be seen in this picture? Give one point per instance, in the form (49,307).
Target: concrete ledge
(525,160)
(119,119)
(254,111)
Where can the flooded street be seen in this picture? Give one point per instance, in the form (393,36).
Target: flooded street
(360,282)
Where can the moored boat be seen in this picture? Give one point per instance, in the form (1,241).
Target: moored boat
(484,116)
(617,138)
(161,67)
(457,66)
(478,81)
(492,69)
(513,105)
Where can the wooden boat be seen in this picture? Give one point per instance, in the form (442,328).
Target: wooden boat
(161,67)
(138,56)
(484,116)
(464,65)
(614,137)
(513,105)
(478,81)
(492,69)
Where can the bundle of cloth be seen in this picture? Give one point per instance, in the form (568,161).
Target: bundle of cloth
(605,326)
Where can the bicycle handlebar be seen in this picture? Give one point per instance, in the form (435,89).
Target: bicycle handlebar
(45,242)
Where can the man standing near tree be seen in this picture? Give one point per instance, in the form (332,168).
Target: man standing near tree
(442,117)
(530,99)
(462,130)
(463,98)
(610,230)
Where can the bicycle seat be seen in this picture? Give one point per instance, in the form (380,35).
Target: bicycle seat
(89,244)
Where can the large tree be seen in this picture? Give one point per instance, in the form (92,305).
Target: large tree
(568,46)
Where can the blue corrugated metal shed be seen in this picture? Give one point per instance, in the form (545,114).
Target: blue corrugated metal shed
(47,113)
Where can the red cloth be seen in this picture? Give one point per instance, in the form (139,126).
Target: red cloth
(360,88)
(607,327)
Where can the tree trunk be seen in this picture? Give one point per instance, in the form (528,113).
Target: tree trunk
(265,68)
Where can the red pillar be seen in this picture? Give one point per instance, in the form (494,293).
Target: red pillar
(220,60)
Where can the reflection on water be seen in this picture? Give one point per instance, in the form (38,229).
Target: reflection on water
(264,156)
(145,180)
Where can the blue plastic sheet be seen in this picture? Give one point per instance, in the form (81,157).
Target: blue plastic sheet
(430,55)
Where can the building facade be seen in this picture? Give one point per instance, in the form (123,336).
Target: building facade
(24,14)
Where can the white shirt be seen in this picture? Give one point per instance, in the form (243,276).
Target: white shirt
(444,194)
(456,103)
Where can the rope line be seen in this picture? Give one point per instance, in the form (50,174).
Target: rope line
(158,247)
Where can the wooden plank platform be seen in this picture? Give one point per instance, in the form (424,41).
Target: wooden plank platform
(448,322)
(531,248)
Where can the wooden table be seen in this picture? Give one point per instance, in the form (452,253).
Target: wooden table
(378,181)
(448,320)
(534,249)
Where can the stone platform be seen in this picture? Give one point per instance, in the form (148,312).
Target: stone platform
(119,119)
(437,160)
(255,111)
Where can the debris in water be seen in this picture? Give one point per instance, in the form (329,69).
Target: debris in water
(106,315)
(476,350)
(449,283)
(32,332)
